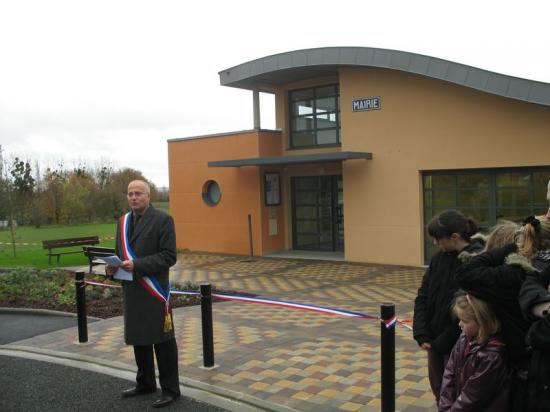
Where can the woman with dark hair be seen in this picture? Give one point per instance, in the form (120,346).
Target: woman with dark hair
(434,327)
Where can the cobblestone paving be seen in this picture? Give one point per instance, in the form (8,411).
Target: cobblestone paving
(277,356)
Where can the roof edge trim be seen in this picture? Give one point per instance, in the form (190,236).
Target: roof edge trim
(248,75)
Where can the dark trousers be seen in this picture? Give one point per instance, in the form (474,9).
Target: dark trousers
(167,361)
(436,367)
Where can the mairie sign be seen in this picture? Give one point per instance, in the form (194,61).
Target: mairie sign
(366,103)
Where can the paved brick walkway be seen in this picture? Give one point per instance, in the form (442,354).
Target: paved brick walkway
(276,358)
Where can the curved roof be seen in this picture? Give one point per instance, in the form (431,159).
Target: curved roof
(282,68)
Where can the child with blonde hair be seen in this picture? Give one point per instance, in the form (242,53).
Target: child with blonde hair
(477,375)
(502,234)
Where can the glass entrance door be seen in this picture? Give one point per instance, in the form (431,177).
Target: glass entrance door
(318,213)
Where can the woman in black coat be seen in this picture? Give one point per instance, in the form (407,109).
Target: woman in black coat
(496,276)
(434,327)
(534,299)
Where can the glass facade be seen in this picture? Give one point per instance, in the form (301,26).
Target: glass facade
(315,116)
(318,220)
(488,196)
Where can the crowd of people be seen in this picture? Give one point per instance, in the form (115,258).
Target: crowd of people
(482,314)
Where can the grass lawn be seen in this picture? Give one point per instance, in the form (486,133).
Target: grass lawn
(29,249)
(55,289)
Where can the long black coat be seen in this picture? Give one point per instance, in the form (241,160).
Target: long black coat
(154,244)
(534,291)
(433,321)
(496,277)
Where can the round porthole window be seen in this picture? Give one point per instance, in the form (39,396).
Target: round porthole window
(211,193)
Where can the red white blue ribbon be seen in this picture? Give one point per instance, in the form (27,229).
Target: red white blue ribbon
(388,323)
(310,308)
(149,283)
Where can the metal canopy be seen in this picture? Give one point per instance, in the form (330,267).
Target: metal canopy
(292,160)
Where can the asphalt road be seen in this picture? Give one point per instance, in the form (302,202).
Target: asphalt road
(34,385)
(31,385)
(22,325)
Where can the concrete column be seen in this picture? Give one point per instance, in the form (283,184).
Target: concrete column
(256,106)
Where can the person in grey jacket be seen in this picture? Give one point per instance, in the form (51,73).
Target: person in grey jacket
(146,245)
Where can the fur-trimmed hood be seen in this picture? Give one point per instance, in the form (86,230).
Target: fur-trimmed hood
(513,259)
(465,256)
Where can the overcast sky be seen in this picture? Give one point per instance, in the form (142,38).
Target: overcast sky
(108,82)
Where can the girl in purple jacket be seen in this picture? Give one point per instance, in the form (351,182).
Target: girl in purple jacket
(477,376)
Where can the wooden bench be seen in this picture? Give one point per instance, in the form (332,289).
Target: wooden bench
(94,252)
(63,243)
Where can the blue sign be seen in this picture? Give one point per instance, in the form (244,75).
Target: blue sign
(366,103)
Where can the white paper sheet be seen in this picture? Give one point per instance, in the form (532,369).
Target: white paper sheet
(115,261)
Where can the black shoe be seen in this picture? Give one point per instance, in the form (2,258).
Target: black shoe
(165,400)
(128,393)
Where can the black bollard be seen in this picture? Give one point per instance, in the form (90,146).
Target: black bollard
(80,288)
(387,341)
(207,327)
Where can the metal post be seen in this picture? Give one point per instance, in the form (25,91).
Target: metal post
(256,108)
(387,335)
(80,288)
(207,328)
(250,240)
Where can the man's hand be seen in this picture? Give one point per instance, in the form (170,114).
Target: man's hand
(127,265)
(426,345)
(110,270)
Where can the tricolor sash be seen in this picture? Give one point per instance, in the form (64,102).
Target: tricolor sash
(149,283)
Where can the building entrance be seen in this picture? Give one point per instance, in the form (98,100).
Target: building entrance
(318,213)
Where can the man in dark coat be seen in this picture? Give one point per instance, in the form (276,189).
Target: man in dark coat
(146,244)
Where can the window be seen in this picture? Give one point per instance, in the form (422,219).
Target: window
(211,194)
(315,116)
(487,196)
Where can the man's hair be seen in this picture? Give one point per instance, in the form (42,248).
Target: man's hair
(147,187)
(470,308)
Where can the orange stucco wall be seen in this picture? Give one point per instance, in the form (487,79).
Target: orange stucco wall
(424,124)
(224,227)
